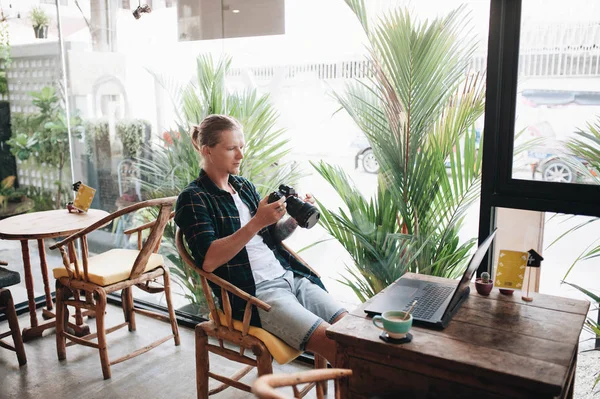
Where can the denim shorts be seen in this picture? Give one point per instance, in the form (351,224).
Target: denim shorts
(297,308)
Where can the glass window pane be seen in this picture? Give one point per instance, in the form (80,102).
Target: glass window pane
(127,81)
(34,141)
(557,126)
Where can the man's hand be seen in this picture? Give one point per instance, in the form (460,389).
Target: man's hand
(267,214)
(309,198)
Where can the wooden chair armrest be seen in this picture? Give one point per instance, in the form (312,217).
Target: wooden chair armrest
(264,386)
(107,219)
(213,278)
(227,286)
(146,225)
(295,255)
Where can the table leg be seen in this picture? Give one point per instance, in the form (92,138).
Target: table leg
(44,267)
(29,284)
(72,258)
(571,380)
(342,361)
(36,329)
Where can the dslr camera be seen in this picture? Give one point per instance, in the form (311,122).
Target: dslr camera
(305,214)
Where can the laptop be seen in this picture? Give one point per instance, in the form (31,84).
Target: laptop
(436,302)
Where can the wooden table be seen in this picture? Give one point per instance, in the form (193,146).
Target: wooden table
(39,226)
(494,347)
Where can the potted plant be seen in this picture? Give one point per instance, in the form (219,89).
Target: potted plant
(39,21)
(410,118)
(483,284)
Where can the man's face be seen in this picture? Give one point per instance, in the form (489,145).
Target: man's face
(227,156)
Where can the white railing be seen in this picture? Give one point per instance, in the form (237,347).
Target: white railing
(546,51)
(559,51)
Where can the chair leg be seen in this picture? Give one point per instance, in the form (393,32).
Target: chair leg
(127,303)
(172,318)
(62,315)
(100,309)
(321,363)
(202,363)
(13,323)
(264,360)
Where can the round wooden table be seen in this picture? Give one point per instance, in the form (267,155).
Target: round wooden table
(39,226)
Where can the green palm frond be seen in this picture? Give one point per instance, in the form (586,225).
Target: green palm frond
(418,109)
(587,147)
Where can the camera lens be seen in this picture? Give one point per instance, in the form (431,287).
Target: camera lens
(305,214)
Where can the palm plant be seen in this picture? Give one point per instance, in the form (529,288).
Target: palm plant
(418,109)
(175,163)
(586,145)
(591,325)
(265,149)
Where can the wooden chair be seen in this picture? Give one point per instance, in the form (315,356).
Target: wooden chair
(264,387)
(7,306)
(263,344)
(117,269)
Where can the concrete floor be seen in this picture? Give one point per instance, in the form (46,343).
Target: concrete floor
(165,372)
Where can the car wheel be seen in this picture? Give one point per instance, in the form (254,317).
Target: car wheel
(558,172)
(369,162)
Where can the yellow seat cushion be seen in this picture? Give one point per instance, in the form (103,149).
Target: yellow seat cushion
(111,266)
(281,352)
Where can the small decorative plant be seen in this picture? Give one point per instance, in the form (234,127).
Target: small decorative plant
(40,21)
(484,284)
(485,278)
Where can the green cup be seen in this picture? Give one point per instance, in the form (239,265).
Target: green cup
(392,322)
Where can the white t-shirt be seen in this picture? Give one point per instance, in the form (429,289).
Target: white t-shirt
(263,262)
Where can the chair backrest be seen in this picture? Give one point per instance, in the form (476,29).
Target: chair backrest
(150,246)
(226,289)
(265,387)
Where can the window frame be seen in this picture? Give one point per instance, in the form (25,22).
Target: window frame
(498,187)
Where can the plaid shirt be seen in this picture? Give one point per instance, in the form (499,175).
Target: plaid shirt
(206,213)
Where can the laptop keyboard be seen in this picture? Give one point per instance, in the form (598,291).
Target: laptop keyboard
(432,299)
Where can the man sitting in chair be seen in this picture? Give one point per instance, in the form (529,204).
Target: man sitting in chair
(236,235)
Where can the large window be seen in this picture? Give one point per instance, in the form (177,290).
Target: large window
(34,144)
(134,89)
(126,79)
(558,94)
(542,109)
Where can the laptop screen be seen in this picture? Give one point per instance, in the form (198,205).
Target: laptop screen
(471,269)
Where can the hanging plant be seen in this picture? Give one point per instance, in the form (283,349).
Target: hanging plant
(40,21)
(94,130)
(132,134)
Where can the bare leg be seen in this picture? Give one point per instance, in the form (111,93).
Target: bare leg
(321,344)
